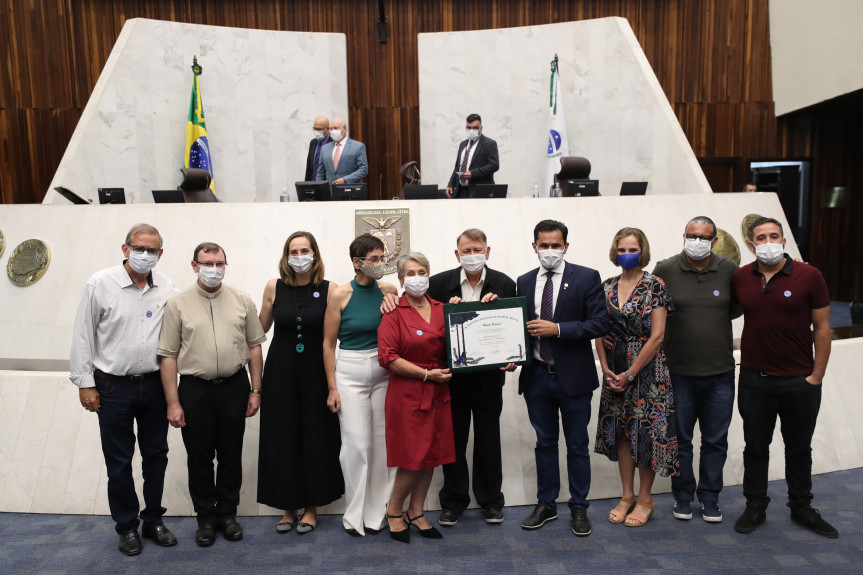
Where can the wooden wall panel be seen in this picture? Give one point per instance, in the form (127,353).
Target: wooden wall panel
(712,60)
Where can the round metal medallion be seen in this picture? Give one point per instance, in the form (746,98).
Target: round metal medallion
(726,246)
(745,231)
(28,262)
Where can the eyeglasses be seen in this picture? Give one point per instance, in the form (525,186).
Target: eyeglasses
(374,260)
(695,237)
(141,249)
(220,265)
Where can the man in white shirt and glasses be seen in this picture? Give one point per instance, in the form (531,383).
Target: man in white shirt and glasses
(114,364)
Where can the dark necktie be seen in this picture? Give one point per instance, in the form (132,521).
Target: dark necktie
(316,159)
(463,167)
(546,310)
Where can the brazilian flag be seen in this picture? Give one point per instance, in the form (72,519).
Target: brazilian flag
(197,145)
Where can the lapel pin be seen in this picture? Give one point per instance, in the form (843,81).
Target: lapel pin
(565,286)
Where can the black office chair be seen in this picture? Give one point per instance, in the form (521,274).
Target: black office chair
(572,168)
(196,186)
(410,173)
(856,312)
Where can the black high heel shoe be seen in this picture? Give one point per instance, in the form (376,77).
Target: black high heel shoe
(430,533)
(403,536)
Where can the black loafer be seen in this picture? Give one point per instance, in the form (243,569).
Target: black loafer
(812,520)
(206,534)
(160,535)
(448,517)
(130,543)
(492,515)
(750,520)
(541,514)
(230,529)
(580,523)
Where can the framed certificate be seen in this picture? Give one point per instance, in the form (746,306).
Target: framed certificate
(482,336)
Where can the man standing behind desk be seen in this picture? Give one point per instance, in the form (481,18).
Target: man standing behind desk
(343,161)
(699,348)
(114,364)
(476,161)
(786,311)
(478,394)
(566,311)
(321,128)
(209,333)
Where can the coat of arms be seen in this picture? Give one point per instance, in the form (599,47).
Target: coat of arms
(391,226)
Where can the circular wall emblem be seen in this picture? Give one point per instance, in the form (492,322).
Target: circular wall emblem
(28,262)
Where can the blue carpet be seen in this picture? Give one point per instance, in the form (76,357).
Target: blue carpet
(74,544)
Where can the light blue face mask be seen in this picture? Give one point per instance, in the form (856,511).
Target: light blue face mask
(628,261)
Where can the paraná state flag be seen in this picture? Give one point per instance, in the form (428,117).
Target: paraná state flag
(557,141)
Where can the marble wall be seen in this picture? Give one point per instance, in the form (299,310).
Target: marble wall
(261,91)
(50,458)
(617,115)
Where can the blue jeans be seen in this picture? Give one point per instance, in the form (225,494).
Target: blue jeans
(545,398)
(710,401)
(121,404)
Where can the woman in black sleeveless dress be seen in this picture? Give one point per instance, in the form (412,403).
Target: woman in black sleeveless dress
(298,459)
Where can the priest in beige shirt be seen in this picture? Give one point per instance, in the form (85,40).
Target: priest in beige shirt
(210,332)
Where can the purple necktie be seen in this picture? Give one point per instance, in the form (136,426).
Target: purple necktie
(546,313)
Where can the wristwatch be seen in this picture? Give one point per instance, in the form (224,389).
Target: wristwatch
(256,391)
(629,378)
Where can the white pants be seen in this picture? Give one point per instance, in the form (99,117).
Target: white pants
(362,385)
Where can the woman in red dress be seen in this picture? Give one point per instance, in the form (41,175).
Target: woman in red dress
(418,417)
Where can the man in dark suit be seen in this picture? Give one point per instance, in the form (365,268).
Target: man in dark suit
(321,139)
(476,162)
(566,310)
(343,161)
(478,394)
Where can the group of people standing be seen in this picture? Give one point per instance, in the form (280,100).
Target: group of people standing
(372,421)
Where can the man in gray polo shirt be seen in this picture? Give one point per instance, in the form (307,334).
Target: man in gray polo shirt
(698,345)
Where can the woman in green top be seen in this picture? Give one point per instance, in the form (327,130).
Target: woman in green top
(358,386)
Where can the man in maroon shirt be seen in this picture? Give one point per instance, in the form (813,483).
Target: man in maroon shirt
(786,309)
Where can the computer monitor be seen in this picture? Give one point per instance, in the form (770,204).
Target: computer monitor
(350,192)
(633,188)
(580,188)
(72,196)
(169,197)
(422,192)
(313,191)
(112,196)
(488,191)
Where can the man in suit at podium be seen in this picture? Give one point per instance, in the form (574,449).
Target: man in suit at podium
(321,128)
(566,311)
(476,161)
(343,161)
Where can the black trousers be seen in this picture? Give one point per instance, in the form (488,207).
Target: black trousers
(215,423)
(479,396)
(121,405)
(760,399)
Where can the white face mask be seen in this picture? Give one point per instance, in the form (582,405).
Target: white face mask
(301,264)
(211,277)
(336,135)
(319,135)
(473,263)
(142,263)
(696,249)
(550,259)
(472,134)
(417,286)
(769,254)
